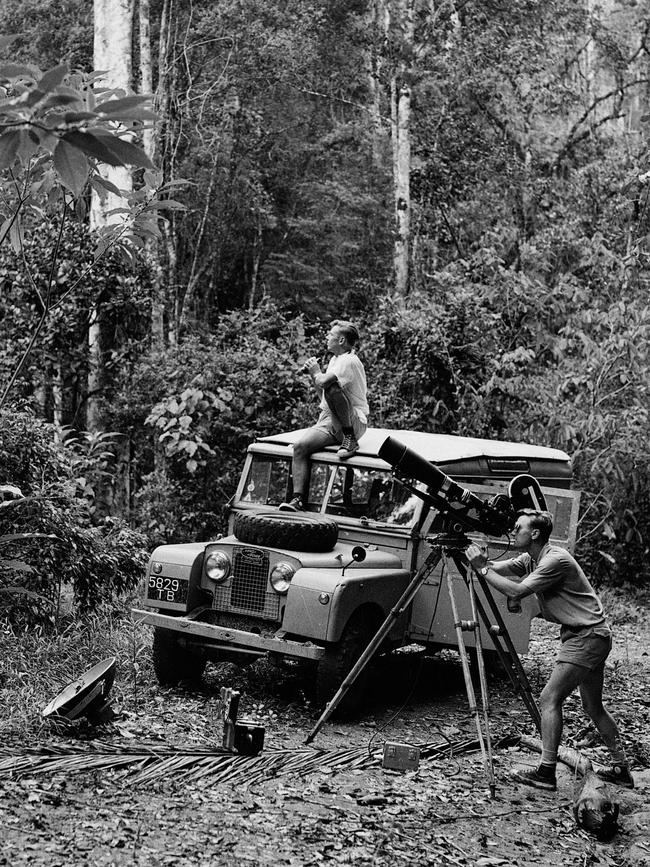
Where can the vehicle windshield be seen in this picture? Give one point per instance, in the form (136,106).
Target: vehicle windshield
(341,491)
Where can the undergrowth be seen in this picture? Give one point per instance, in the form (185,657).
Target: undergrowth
(36,666)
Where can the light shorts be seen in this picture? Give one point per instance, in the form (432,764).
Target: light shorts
(586,646)
(326,422)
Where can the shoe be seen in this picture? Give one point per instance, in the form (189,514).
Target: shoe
(348,447)
(618,774)
(294,505)
(536,777)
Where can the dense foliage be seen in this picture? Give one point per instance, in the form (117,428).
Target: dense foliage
(527,315)
(69,556)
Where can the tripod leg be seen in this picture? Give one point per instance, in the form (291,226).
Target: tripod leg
(469,686)
(518,673)
(405,599)
(485,700)
(508,655)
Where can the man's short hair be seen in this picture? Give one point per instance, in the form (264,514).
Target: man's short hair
(541,521)
(348,330)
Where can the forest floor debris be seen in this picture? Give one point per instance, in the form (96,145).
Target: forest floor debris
(355,812)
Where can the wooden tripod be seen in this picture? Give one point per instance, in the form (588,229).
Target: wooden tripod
(452,546)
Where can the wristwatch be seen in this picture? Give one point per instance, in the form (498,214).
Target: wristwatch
(483,571)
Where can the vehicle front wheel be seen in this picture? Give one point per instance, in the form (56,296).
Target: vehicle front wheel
(172,662)
(337,663)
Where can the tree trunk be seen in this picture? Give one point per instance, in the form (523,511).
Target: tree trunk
(146,69)
(156,251)
(257,255)
(378,18)
(400,96)
(151,145)
(112,55)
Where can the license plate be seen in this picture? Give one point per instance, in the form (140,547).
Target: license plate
(163,589)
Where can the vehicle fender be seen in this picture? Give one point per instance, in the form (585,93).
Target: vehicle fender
(321,601)
(182,561)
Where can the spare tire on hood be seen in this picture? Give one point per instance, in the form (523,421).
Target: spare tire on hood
(297,531)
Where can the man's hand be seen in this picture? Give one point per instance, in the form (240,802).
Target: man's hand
(311,366)
(476,557)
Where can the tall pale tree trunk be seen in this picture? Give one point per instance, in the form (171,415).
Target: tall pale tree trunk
(146,67)
(402,21)
(378,26)
(112,56)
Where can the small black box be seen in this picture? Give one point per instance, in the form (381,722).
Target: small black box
(249,738)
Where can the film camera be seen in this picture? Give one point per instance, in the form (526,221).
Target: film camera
(461,509)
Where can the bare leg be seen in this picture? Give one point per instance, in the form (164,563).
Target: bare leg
(591,693)
(312,441)
(339,404)
(564,678)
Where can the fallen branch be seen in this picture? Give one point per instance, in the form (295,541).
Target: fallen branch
(568,756)
(593,807)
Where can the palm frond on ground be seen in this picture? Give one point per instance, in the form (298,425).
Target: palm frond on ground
(148,762)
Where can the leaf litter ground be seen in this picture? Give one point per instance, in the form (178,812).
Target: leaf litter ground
(330,804)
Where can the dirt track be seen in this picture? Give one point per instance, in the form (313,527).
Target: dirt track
(439,814)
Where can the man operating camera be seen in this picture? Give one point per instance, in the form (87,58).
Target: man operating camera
(566,597)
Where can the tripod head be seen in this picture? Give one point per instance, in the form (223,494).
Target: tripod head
(453,542)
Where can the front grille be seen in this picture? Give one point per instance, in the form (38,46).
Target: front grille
(246,589)
(250,572)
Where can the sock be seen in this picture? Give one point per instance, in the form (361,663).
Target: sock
(348,431)
(548,762)
(617,752)
(549,757)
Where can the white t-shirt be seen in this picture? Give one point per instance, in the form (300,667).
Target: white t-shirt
(352,378)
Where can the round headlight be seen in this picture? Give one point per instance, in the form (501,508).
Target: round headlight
(281,576)
(217,566)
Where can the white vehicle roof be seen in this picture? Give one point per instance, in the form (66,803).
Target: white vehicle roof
(437,448)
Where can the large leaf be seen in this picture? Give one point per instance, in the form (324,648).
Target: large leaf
(53,77)
(4,229)
(127,103)
(9,143)
(93,146)
(130,154)
(71,166)
(130,114)
(78,116)
(16,70)
(16,236)
(23,537)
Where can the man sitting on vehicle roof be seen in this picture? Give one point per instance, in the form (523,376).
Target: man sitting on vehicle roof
(344,407)
(566,597)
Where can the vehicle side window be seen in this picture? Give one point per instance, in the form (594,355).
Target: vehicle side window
(372,494)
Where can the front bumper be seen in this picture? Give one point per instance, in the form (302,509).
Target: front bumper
(230,639)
